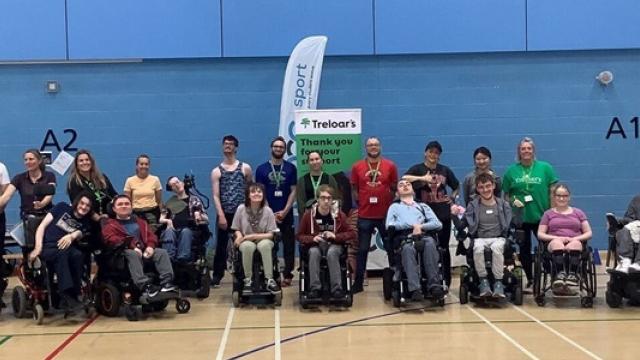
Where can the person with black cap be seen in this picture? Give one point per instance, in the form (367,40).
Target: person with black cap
(430,180)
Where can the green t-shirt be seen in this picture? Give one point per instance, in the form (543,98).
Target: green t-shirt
(520,182)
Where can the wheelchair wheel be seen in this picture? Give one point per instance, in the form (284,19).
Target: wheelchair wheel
(235,299)
(38,314)
(160,305)
(277,299)
(108,300)
(133,312)
(613,298)
(587,301)
(540,300)
(387,283)
(395,296)
(19,302)
(183,306)
(205,286)
(516,298)
(464,294)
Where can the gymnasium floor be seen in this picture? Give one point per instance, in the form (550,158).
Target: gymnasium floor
(372,329)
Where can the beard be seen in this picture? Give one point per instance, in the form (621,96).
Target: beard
(277,156)
(373,156)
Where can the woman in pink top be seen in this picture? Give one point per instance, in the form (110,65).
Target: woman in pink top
(564,229)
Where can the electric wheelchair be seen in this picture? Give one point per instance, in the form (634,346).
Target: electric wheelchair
(192,277)
(394,278)
(544,271)
(325,297)
(620,285)
(512,278)
(114,288)
(259,293)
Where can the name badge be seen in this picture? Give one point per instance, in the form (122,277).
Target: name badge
(373,200)
(277,193)
(528,198)
(489,212)
(318,221)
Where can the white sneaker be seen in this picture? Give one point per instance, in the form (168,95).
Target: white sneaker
(635,267)
(623,265)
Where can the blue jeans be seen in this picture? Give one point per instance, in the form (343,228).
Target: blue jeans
(365,230)
(177,242)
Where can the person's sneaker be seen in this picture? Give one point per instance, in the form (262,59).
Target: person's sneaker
(313,294)
(70,303)
(247,285)
(356,289)
(149,291)
(168,287)
(215,281)
(484,288)
(558,283)
(416,295)
(571,280)
(635,267)
(498,289)
(338,294)
(272,286)
(437,292)
(623,265)
(286,282)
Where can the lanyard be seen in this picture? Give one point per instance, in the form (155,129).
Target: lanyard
(375,173)
(315,184)
(526,175)
(277,175)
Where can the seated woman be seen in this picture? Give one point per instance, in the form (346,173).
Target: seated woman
(253,226)
(564,229)
(183,211)
(145,192)
(55,237)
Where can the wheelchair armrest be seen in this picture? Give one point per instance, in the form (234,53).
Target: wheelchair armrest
(277,235)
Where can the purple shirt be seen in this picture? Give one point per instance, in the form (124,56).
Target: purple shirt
(567,225)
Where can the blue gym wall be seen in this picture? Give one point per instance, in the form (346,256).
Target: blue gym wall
(464,72)
(177,111)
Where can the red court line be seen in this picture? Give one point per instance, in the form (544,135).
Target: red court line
(64,344)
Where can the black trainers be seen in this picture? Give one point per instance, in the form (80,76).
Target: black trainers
(416,295)
(338,294)
(313,294)
(272,286)
(215,281)
(168,287)
(149,291)
(437,292)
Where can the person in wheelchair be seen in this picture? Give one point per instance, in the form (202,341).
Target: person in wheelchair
(487,219)
(564,230)
(182,213)
(627,237)
(409,218)
(56,239)
(323,231)
(140,241)
(253,226)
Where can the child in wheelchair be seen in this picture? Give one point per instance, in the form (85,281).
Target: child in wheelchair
(323,233)
(416,253)
(488,221)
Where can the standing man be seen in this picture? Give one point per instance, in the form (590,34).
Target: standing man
(4,182)
(228,181)
(373,182)
(306,192)
(279,178)
(430,180)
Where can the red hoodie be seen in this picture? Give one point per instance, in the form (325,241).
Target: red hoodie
(114,234)
(307,229)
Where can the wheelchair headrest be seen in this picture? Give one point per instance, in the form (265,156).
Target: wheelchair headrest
(613,224)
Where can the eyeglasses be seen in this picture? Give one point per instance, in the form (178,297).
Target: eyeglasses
(325,198)
(561,196)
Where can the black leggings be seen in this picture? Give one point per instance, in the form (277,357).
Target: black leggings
(525,249)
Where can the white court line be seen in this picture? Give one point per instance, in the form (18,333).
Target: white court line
(504,335)
(499,331)
(277,335)
(592,355)
(225,334)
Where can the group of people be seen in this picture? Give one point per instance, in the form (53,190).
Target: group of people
(249,209)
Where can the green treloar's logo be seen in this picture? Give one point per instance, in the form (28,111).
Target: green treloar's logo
(305,122)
